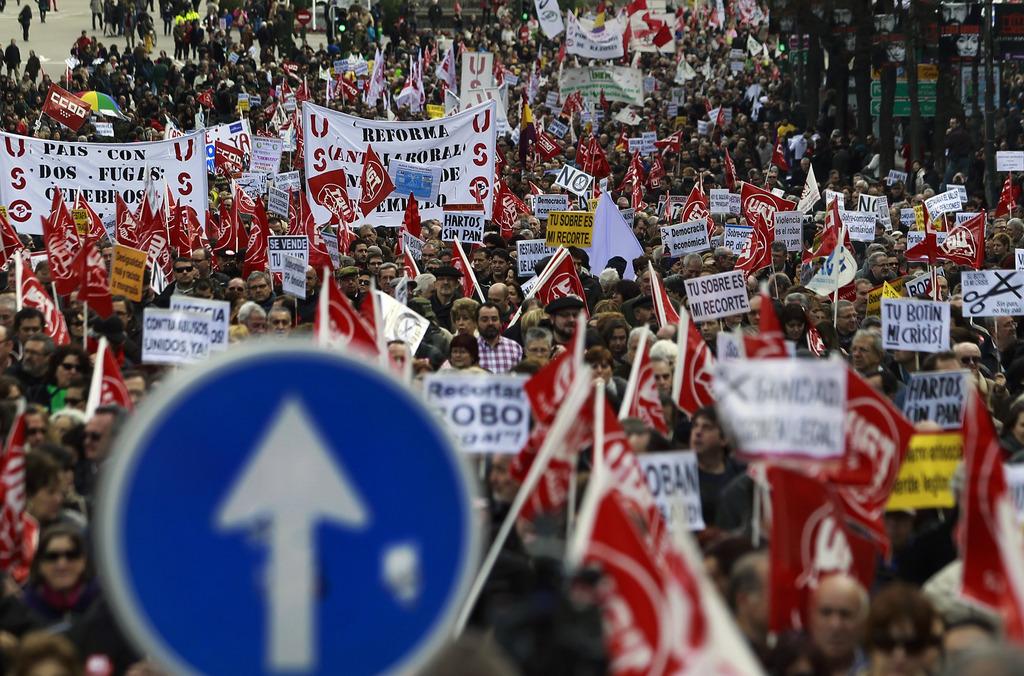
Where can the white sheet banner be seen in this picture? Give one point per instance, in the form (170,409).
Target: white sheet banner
(675,486)
(174,337)
(993,293)
(619,83)
(218,312)
(462,145)
(784,407)
(550,17)
(717,296)
(33,169)
(485,413)
(916,325)
(604,44)
(937,396)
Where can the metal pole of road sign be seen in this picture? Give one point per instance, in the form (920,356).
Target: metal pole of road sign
(991,195)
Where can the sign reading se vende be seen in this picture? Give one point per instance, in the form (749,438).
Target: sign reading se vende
(570,228)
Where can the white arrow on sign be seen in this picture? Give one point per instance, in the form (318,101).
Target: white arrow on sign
(292,482)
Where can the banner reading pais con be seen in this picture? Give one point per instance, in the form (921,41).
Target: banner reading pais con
(32,169)
(462,145)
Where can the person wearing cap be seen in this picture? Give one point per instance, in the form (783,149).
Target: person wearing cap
(348,282)
(446,292)
(563,312)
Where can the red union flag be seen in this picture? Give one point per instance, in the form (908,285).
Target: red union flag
(108,387)
(12,503)
(663,310)
(560,281)
(759,206)
(696,208)
(10,244)
(642,399)
(61,240)
(375,182)
(337,324)
(330,191)
(227,159)
(32,294)
(547,147)
(757,250)
(256,250)
(91,273)
(965,243)
(64,107)
(691,384)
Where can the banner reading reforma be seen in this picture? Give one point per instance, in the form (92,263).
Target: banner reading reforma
(33,169)
(619,83)
(462,145)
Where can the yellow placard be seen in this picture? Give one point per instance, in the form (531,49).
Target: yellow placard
(434,111)
(918,217)
(243,104)
(570,228)
(924,481)
(885,290)
(126,272)
(592,204)
(680,121)
(3,211)
(81,218)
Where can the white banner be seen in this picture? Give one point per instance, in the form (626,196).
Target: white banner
(279,246)
(789,228)
(550,17)
(33,169)
(217,311)
(916,325)
(937,396)
(717,296)
(943,203)
(784,407)
(993,293)
(619,83)
(529,252)
(605,44)
(465,226)
(675,486)
(462,145)
(477,71)
(860,224)
(235,134)
(685,238)
(485,413)
(173,337)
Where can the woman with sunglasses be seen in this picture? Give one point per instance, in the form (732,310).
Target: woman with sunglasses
(68,363)
(902,633)
(61,585)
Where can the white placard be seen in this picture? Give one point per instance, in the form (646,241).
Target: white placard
(860,224)
(277,201)
(402,323)
(1018,258)
(735,202)
(919,287)
(634,145)
(603,45)
(485,413)
(915,237)
(719,201)
(575,181)
(545,204)
(882,208)
(937,396)
(916,325)
(104,129)
(992,293)
(944,202)
(789,229)
(293,277)
(331,244)
(648,139)
(529,252)
(1010,160)
(174,337)
(685,238)
(674,483)
(217,311)
(896,176)
(831,195)
(907,218)
(717,296)
(736,236)
(1014,475)
(280,246)
(421,180)
(266,155)
(466,226)
(784,407)
(288,180)
(964,216)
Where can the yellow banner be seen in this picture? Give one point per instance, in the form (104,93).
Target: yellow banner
(570,228)
(927,472)
(81,218)
(434,111)
(886,290)
(126,272)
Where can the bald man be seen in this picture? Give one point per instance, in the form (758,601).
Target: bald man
(838,609)
(498,294)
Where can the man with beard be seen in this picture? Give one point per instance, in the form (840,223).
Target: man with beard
(497,353)
(563,312)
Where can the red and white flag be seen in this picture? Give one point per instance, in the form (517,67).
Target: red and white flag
(96,229)
(337,324)
(770,341)
(760,206)
(30,293)
(697,208)
(507,208)
(61,240)
(107,387)
(91,272)
(559,279)
(126,225)
(12,502)
(730,171)
(375,183)
(227,159)
(470,287)
(257,255)
(445,71)
(546,389)
(641,399)
(964,243)
(64,107)
(663,310)
(779,156)
(695,365)
(10,244)
(411,220)
(1008,197)
(757,250)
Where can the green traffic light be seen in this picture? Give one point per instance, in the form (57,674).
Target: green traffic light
(341,28)
(526,16)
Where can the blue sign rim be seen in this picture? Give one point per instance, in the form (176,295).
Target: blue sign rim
(125,454)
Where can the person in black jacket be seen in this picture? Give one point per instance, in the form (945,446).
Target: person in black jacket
(12,58)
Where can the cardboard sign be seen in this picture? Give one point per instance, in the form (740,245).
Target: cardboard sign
(529,252)
(675,486)
(174,337)
(717,296)
(292,245)
(883,290)
(685,238)
(545,204)
(570,228)
(434,111)
(736,237)
(127,268)
(575,181)
(916,325)
(784,408)
(718,201)
(81,219)
(789,228)
(466,227)
(277,201)
(860,224)
(485,413)
(217,311)
(937,396)
(1010,160)
(992,293)
(293,277)
(924,481)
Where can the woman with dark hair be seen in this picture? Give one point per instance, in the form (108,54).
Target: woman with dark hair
(1012,439)
(901,633)
(600,359)
(67,364)
(61,584)
(794,324)
(464,353)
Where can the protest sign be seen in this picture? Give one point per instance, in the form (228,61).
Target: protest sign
(575,181)
(104,129)
(331,244)
(1010,160)
(634,145)
(1014,475)
(421,181)
(435,111)
(944,202)
(907,219)
(735,203)
(277,201)
(618,83)
(916,325)
(99,172)
(920,286)
(1018,259)
(545,204)
(570,228)
(777,408)
(293,277)
(728,345)
(217,311)
(234,134)
(883,290)
(675,486)
(602,44)
(529,252)
(685,238)
(628,216)
(174,337)
(477,71)
(882,209)
(412,244)
(485,413)
(279,246)
(937,396)
(461,147)
(789,229)
(964,216)
(831,195)
(127,268)
(717,296)
(915,237)
(550,18)
(719,201)
(860,224)
(266,155)
(736,237)
(648,139)
(288,180)
(895,176)
(558,129)
(924,481)
(252,184)
(402,323)
(464,226)
(992,293)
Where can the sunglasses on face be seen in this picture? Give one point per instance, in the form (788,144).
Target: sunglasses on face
(183,269)
(54,555)
(912,646)
(70,366)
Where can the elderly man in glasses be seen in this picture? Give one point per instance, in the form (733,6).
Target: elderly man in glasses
(969,356)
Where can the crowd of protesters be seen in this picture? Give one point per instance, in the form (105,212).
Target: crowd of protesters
(909,622)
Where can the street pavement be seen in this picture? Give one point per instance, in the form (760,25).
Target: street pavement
(52,40)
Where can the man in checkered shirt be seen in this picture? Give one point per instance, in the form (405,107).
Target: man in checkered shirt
(498,354)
